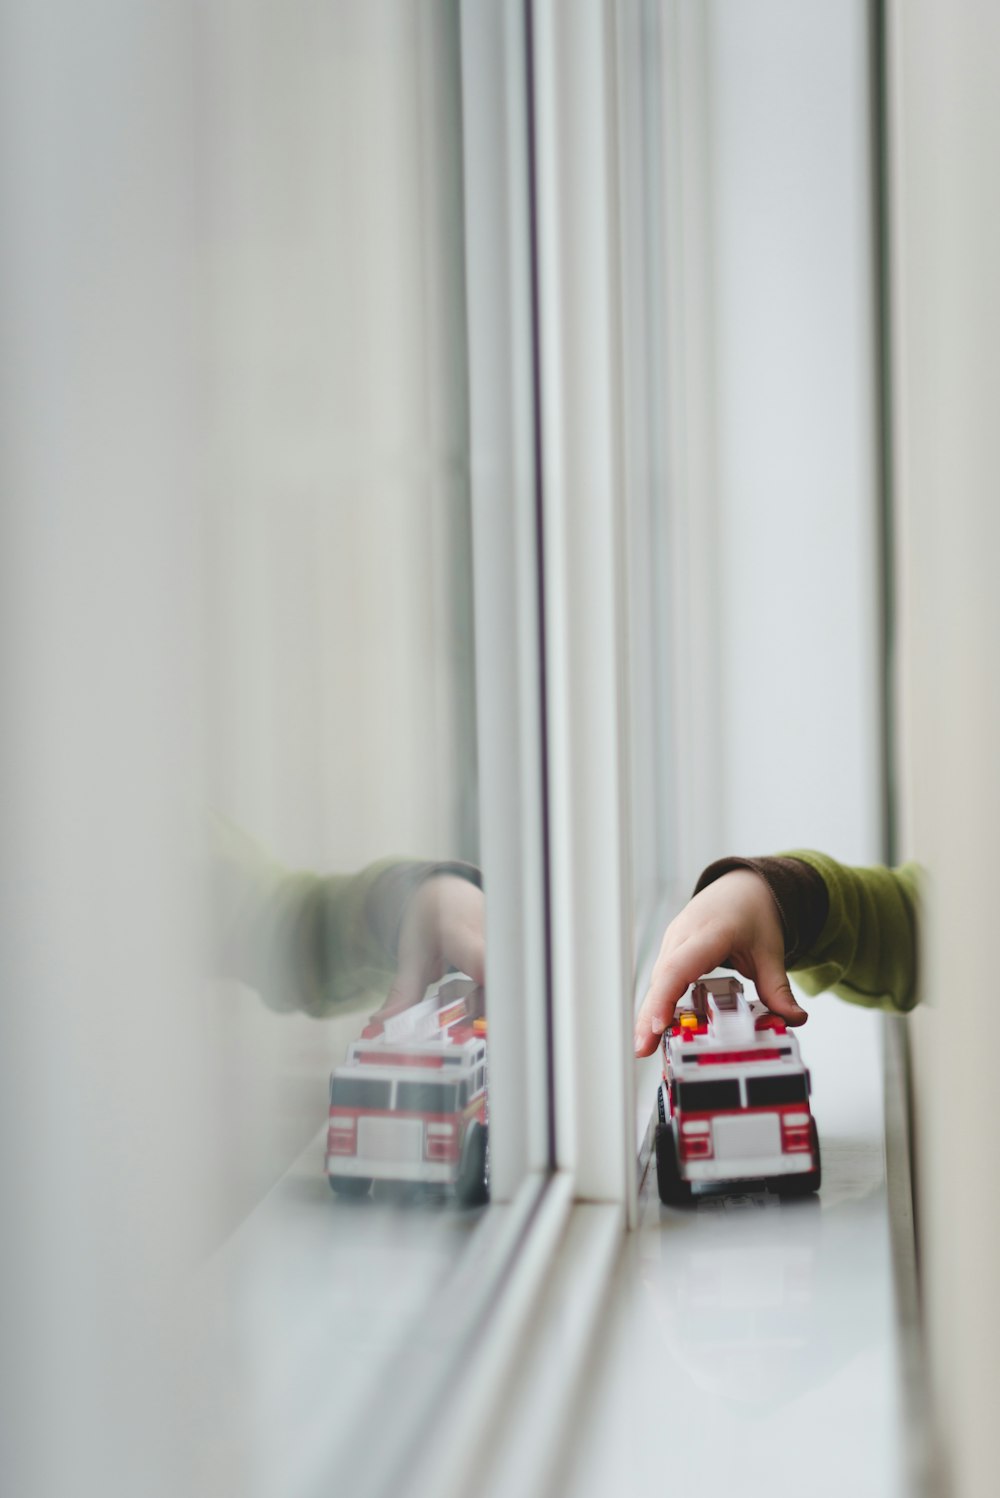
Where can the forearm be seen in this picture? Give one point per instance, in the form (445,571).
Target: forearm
(868,949)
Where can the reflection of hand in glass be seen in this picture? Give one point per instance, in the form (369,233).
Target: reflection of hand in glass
(319,943)
(733,921)
(442,927)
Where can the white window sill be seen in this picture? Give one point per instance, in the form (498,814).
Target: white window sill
(730,1347)
(749,1346)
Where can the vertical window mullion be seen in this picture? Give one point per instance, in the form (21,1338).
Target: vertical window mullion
(588,776)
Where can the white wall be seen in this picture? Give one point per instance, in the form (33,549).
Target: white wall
(795,407)
(945,153)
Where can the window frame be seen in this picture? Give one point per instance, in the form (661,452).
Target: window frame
(540,93)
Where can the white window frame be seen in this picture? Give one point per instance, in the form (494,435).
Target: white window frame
(570,1237)
(584,580)
(565,1185)
(570,127)
(505,561)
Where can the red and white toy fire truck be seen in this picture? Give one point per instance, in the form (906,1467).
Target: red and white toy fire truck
(734,1098)
(410,1102)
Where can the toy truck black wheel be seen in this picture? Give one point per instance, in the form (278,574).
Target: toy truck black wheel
(800,1185)
(350,1185)
(674,1190)
(472,1183)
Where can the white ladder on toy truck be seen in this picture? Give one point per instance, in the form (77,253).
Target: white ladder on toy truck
(723,1000)
(431,1018)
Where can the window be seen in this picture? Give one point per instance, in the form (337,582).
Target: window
(354,1092)
(362,410)
(767,1092)
(386,391)
(374,675)
(426,1097)
(706,1097)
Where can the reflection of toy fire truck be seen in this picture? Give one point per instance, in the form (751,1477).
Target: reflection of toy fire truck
(734,1100)
(410,1102)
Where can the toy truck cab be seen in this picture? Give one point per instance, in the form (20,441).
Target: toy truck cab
(410,1103)
(733,1101)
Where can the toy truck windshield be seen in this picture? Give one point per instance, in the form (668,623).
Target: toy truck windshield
(359,1092)
(429,1097)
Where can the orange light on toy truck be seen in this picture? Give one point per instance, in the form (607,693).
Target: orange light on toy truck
(451,1014)
(689,1022)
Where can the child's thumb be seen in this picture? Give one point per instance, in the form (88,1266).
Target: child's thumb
(408,985)
(776,992)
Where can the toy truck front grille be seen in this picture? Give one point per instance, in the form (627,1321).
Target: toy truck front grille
(407,1122)
(391,1139)
(746,1136)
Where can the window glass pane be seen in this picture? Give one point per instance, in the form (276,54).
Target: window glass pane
(345,767)
(247,771)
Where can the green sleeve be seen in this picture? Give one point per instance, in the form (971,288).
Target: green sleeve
(308,942)
(867,948)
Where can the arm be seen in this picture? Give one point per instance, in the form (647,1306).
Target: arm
(867,947)
(852,929)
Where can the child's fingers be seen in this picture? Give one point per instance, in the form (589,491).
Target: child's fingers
(776,992)
(657,1008)
(408,988)
(672,976)
(418,965)
(464,948)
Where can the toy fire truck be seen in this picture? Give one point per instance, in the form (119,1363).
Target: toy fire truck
(410,1102)
(734,1098)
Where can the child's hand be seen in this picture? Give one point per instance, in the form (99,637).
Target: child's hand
(734,920)
(443,927)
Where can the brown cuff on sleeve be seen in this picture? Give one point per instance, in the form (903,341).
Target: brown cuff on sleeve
(797,889)
(392,890)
